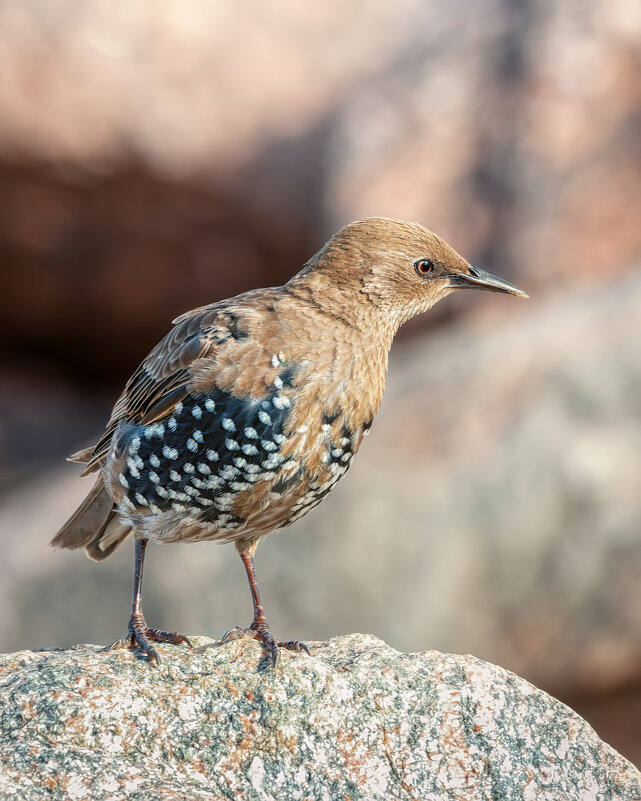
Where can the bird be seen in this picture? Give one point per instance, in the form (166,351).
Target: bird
(247,413)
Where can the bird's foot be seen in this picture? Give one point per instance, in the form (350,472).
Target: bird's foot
(260,632)
(141,636)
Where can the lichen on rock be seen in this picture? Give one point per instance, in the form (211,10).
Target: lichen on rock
(355,720)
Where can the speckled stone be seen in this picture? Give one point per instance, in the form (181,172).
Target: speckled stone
(356,720)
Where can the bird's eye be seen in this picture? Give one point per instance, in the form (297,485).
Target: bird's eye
(424,266)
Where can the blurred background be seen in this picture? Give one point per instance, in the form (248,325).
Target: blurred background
(156,157)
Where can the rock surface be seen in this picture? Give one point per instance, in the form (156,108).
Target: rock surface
(356,720)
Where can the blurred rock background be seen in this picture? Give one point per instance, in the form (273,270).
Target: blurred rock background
(154,157)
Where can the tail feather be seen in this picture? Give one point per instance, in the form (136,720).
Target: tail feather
(94,525)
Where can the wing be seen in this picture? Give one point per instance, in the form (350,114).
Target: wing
(161,381)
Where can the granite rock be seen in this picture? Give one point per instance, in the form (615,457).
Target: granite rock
(355,720)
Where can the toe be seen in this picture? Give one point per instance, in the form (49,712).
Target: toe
(168,636)
(142,640)
(296,645)
(271,646)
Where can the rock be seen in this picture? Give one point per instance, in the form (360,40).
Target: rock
(355,720)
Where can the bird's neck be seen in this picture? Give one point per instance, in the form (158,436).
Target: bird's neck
(350,310)
(349,350)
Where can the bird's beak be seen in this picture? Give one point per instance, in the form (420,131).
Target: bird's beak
(480,279)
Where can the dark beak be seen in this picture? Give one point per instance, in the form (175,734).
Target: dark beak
(480,279)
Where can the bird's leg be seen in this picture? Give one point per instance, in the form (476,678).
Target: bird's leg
(139,633)
(259,628)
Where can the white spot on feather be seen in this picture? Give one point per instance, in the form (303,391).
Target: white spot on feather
(132,467)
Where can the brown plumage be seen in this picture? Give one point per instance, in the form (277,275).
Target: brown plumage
(247,413)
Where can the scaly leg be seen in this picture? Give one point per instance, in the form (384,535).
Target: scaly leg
(139,634)
(259,629)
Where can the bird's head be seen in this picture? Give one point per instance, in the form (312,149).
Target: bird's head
(394,268)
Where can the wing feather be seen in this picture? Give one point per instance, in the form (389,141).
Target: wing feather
(164,378)
(160,382)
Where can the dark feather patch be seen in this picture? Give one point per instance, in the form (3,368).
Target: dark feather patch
(197,458)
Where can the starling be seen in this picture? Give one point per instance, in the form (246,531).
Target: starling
(249,411)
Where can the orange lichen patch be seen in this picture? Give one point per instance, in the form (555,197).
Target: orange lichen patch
(290,743)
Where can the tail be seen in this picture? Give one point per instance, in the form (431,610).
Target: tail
(94,526)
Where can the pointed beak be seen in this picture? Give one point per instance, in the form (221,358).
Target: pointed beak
(480,279)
